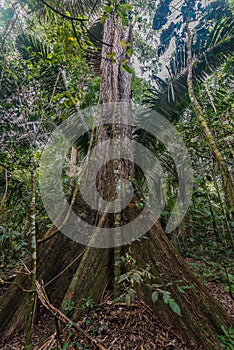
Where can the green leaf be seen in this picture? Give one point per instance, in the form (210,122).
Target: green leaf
(115,300)
(66,345)
(166,296)
(174,306)
(111,56)
(123,43)
(132,293)
(154,285)
(127,68)
(225,331)
(155,296)
(129,52)
(181,289)
(123,277)
(136,278)
(108,9)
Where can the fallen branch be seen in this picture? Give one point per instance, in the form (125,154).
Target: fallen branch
(50,342)
(59,315)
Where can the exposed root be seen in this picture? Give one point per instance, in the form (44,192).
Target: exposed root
(59,315)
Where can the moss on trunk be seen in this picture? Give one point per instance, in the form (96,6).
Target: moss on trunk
(90,279)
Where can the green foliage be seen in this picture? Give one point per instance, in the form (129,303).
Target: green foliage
(124,11)
(139,88)
(66,345)
(36,98)
(127,68)
(14,245)
(141,276)
(230,282)
(87,303)
(68,305)
(170,97)
(107,10)
(30,70)
(218,271)
(166,296)
(227,339)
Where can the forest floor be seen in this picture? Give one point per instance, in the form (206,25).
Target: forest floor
(115,326)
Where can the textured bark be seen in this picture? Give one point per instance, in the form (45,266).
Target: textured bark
(53,256)
(95,270)
(228,185)
(90,275)
(90,279)
(116,82)
(201,316)
(33,271)
(116,87)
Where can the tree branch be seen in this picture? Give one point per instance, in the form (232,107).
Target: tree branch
(63,14)
(59,315)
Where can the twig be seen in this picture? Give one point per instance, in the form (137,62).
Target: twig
(58,314)
(65,269)
(58,333)
(49,343)
(54,89)
(2,281)
(49,234)
(28,272)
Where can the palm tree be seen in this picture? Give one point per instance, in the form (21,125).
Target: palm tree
(180,89)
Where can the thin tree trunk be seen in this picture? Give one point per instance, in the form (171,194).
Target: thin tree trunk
(226,225)
(3,199)
(33,272)
(228,185)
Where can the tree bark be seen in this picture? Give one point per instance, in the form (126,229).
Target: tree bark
(201,316)
(33,271)
(89,276)
(228,185)
(54,256)
(115,87)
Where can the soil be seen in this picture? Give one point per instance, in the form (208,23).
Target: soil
(114,325)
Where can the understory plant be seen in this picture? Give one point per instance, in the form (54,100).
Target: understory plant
(137,276)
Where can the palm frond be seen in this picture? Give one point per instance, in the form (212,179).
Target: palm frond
(172,99)
(75,9)
(30,47)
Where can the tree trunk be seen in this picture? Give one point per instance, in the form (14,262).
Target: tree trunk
(33,271)
(228,185)
(91,273)
(201,316)
(54,256)
(115,87)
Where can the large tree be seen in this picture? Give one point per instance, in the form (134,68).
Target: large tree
(71,271)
